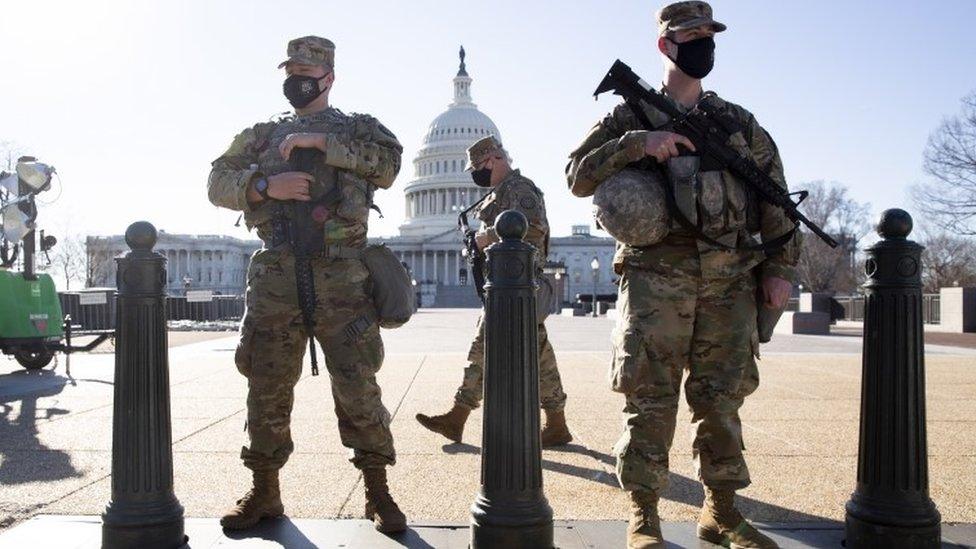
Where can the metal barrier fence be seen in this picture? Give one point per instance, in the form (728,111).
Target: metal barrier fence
(95,310)
(91,310)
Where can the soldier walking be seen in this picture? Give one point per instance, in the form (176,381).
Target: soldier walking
(687,304)
(356,155)
(490,166)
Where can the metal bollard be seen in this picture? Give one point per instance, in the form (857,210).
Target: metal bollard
(143,511)
(511,510)
(891,507)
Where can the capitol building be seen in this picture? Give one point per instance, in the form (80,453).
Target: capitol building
(430,243)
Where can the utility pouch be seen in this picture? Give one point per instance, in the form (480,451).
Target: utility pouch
(393,294)
(683,177)
(545,297)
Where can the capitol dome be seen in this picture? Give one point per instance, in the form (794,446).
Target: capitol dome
(440,187)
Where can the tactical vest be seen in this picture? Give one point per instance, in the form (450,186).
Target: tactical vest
(499,202)
(344,196)
(711,198)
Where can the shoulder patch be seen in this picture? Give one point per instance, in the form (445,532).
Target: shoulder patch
(528,202)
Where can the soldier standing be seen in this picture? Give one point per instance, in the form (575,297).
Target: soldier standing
(254,176)
(687,304)
(490,166)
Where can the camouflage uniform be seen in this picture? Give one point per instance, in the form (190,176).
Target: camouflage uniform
(685,304)
(361,155)
(515,192)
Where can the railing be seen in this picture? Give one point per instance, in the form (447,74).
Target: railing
(854,308)
(931,309)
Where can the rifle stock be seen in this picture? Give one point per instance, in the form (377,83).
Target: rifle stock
(474,255)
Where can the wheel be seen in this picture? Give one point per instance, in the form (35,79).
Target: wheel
(34,360)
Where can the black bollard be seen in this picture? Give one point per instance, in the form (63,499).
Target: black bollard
(511,510)
(144,511)
(891,507)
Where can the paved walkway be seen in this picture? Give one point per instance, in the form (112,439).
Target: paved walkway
(800,432)
(73,532)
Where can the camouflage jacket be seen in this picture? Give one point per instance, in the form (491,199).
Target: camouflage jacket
(729,212)
(361,155)
(519,193)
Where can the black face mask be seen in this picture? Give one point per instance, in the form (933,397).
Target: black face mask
(482,177)
(301,90)
(696,57)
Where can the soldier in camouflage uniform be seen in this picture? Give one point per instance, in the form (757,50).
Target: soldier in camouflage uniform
(511,191)
(686,304)
(254,176)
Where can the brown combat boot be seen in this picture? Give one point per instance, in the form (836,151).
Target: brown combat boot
(380,507)
(644,529)
(263,500)
(450,424)
(722,524)
(555,432)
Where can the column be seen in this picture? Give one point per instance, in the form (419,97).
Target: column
(437,274)
(457,268)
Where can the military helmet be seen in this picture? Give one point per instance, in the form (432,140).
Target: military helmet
(631,206)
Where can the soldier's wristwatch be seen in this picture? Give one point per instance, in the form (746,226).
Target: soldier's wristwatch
(261,186)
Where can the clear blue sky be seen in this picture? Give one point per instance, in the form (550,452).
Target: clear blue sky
(132,100)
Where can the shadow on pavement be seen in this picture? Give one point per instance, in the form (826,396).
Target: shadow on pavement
(689,491)
(281,530)
(286,533)
(24,458)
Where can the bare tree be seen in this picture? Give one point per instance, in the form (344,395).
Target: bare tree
(822,268)
(950,158)
(947,261)
(10,151)
(68,261)
(98,267)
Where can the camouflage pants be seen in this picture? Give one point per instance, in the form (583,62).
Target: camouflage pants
(272,347)
(671,321)
(471,391)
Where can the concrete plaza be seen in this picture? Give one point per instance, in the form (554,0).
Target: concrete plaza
(800,432)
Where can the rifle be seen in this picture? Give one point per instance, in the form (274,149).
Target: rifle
(306,238)
(474,255)
(709,129)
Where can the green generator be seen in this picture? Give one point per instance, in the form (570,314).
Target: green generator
(30,318)
(32,327)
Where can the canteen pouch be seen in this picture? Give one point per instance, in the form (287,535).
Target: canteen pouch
(393,294)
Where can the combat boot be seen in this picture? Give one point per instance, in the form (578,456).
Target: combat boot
(555,432)
(263,500)
(644,529)
(451,424)
(380,507)
(722,524)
